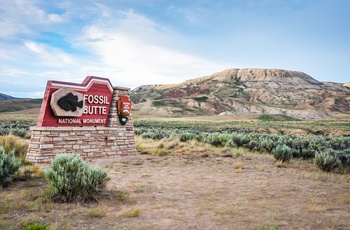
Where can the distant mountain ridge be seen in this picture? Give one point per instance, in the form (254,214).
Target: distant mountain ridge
(4,97)
(246,91)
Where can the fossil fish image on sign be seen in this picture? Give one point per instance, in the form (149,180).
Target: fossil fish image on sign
(70,102)
(67,103)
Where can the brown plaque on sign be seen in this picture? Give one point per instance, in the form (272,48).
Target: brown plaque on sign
(124,108)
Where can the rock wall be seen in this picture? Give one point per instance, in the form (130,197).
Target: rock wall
(89,142)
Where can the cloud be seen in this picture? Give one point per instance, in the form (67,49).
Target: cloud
(50,56)
(138,49)
(22,16)
(55,18)
(125,46)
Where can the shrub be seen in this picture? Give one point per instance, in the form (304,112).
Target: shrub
(201,99)
(15,127)
(267,145)
(155,134)
(282,153)
(19,132)
(217,139)
(253,145)
(71,179)
(8,166)
(36,226)
(158,103)
(308,153)
(344,158)
(186,137)
(326,161)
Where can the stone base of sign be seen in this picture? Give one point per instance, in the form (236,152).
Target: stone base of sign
(89,142)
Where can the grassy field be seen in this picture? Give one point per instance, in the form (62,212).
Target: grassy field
(195,183)
(237,123)
(176,185)
(19,105)
(29,116)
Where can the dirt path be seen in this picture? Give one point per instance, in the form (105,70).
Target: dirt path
(244,192)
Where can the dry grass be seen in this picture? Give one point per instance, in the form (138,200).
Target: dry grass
(17,144)
(97,212)
(194,186)
(131,213)
(30,116)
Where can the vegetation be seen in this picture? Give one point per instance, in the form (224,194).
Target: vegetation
(278,117)
(201,99)
(282,153)
(319,127)
(158,103)
(16,128)
(185,144)
(15,144)
(19,105)
(36,226)
(216,158)
(327,161)
(8,167)
(283,147)
(30,118)
(71,179)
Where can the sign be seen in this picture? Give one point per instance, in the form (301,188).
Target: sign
(124,108)
(71,104)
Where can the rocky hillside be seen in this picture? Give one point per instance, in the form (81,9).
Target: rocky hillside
(246,91)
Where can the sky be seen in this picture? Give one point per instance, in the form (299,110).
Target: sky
(140,42)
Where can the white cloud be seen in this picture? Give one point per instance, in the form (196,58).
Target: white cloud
(13,72)
(134,48)
(55,18)
(50,56)
(128,48)
(23,16)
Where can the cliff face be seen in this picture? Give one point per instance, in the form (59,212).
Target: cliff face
(243,91)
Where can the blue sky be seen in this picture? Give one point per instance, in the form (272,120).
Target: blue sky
(137,42)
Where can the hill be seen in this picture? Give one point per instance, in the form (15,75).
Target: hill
(4,97)
(19,105)
(246,91)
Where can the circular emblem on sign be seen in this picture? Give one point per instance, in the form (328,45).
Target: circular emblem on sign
(67,103)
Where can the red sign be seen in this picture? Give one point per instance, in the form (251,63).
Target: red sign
(71,104)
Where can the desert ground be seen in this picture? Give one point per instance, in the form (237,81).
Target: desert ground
(240,192)
(170,184)
(194,187)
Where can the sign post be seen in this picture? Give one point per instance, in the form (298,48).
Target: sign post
(92,119)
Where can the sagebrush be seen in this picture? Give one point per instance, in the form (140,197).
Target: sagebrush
(300,146)
(71,179)
(326,161)
(8,167)
(282,153)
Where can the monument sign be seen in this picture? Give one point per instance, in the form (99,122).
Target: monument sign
(92,119)
(69,104)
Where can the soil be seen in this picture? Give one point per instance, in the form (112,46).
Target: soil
(215,192)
